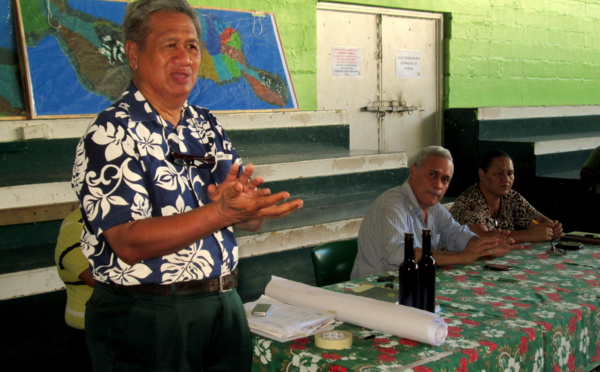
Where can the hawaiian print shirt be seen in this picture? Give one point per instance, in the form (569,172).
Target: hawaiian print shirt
(132,164)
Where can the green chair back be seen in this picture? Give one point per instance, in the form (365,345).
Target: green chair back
(333,261)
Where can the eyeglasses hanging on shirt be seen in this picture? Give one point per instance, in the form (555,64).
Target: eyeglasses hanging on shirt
(192,160)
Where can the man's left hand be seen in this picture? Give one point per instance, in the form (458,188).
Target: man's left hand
(251,185)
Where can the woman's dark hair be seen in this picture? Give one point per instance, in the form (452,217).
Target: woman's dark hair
(486,159)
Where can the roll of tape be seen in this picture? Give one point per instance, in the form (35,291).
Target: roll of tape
(333,340)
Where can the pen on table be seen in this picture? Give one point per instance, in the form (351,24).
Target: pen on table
(535,222)
(368,337)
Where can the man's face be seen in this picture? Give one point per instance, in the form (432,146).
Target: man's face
(430,182)
(499,178)
(166,69)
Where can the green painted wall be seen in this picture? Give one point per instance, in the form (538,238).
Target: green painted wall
(498,52)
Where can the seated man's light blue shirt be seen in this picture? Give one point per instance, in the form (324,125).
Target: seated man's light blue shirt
(396,211)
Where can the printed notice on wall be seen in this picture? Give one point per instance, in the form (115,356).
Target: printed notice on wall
(408,63)
(345,62)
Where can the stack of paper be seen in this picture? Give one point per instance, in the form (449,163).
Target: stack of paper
(287,322)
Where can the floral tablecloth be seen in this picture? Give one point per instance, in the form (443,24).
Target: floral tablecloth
(544,315)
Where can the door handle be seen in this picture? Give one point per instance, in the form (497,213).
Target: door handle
(384,109)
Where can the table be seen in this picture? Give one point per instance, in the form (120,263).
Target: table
(544,315)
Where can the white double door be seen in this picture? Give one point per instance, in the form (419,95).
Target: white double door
(384,67)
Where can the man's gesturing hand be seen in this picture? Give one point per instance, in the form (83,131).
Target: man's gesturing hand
(241,200)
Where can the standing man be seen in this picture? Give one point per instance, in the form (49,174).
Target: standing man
(160,187)
(412,207)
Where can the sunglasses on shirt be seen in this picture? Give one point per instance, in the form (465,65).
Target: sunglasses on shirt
(192,160)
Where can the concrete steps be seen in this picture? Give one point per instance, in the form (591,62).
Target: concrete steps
(548,145)
(558,145)
(304,153)
(550,142)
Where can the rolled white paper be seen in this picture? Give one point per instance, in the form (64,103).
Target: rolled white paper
(398,320)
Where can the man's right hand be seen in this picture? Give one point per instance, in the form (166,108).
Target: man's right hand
(236,205)
(240,200)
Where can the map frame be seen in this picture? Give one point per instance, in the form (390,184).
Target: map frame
(12,103)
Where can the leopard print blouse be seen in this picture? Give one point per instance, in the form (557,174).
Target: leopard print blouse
(515,212)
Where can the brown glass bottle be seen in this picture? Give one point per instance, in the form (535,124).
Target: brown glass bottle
(407,274)
(426,273)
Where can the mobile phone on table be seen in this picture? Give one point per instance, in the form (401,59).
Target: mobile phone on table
(501,267)
(261,309)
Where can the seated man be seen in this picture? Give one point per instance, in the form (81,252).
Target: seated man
(492,204)
(413,207)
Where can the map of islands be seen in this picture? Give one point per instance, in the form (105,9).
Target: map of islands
(77,65)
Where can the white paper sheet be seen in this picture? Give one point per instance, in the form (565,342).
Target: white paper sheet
(398,320)
(287,322)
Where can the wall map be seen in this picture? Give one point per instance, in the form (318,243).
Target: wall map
(75,62)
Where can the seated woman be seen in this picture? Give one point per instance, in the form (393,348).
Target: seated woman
(492,204)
